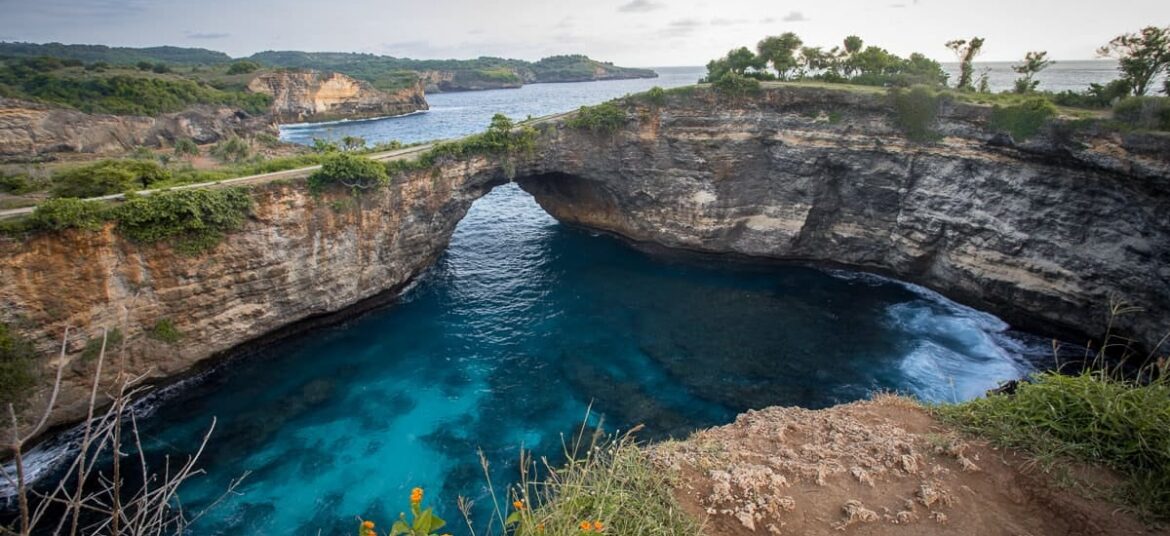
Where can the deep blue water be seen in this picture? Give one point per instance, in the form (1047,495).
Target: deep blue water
(520,326)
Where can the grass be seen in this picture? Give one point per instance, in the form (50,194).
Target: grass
(1090,417)
(608,485)
(604,118)
(165,331)
(1022,120)
(18,372)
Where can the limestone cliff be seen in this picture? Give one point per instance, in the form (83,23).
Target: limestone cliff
(28,130)
(1043,232)
(309,96)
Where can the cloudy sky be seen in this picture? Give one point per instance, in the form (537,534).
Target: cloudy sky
(628,32)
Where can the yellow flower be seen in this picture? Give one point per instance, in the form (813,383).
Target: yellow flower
(598,527)
(416,496)
(517,504)
(367,524)
(585,526)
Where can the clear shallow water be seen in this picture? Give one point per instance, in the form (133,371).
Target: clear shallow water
(520,326)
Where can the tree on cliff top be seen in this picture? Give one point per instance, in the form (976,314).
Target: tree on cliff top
(966,51)
(1034,62)
(1141,56)
(780,51)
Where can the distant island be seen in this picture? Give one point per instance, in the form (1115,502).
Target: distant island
(386,73)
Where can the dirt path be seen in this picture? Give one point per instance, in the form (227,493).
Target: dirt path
(872,468)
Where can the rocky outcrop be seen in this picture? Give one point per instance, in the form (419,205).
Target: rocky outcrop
(445,81)
(29,130)
(310,96)
(1044,232)
(1047,233)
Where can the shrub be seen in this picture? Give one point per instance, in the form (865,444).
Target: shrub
(916,111)
(193,221)
(656,96)
(17,184)
(164,330)
(1088,417)
(232,149)
(322,146)
(266,139)
(108,177)
(68,213)
(18,371)
(1022,120)
(736,85)
(602,118)
(1150,113)
(349,170)
(243,67)
(186,147)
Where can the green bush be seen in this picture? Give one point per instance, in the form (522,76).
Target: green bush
(232,149)
(125,94)
(186,147)
(17,184)
(68,213)
(1147,113)
(1022,120)
(349,170)
(243,67)
(916,112)
(656,96)
(164,330)
(602,118)
(736,85)
(108,177)
(18,370)
(193,221)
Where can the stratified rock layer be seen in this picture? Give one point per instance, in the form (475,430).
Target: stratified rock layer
(28,130)
(307,96)
(1045,232)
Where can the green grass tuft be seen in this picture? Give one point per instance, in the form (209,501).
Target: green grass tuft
(604,118)
(1089,417)
(164,330)
(916,112)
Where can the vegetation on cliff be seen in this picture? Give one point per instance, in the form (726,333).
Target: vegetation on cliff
(349,170)
(17,367)
(389,73)
(116,91)
(114,55)
(602,118)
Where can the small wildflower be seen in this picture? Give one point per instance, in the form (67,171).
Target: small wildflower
(416,496)
(585,526)
(540,528)
(517,504)
(598,526)
(367,524)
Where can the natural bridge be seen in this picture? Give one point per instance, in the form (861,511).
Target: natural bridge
(1046,232)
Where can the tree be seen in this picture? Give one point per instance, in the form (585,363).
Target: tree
(144,66)
(816,59)
(966,51)
(108,177)
(853,45)
(1141,56)
(352,143)
(186,148)
(736,61)
(780,51)
(1034,62)
(243,67)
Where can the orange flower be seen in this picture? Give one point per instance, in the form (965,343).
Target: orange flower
(585,526)
(367,524)
(598,527)
(416,496)
(517,504)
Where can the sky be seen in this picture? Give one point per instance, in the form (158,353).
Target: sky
(626,32)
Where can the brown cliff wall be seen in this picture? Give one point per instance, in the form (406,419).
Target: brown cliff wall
(309,96)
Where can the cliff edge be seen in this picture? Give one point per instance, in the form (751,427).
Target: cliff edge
(312,96)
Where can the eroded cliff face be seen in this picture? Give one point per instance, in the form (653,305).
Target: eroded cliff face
(29,129)
(299,257)
(308,96)
(1046,233)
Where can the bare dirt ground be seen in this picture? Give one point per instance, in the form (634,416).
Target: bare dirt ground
(874,468)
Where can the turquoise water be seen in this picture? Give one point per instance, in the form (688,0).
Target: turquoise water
(521,325)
